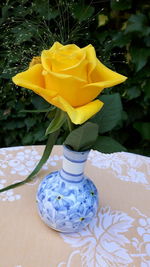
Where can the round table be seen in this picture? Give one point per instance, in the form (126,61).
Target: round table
(118,236)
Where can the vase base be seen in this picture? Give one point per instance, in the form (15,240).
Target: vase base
(66,207)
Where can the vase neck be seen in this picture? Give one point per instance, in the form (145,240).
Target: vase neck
(73,165)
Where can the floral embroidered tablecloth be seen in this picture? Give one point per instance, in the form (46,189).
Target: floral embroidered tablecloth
(120,234)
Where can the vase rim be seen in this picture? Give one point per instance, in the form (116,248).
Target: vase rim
(77,152)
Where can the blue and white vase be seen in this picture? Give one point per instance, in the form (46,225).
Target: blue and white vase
(67,199)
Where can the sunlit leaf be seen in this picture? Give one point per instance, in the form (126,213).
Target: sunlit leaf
(82,138)
(106,144)
(57,122)
(110,114)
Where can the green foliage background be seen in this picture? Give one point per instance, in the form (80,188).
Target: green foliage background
(120,33)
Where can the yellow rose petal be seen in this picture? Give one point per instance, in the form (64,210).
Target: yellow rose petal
(59,53)
(69,49)
(45,59)
(56,46)
(48,95)
(91,58)
(88,93)
(105,77)
(33,79)
(68,59)
(73,64)
(47,54)
(67,86)
(81,114)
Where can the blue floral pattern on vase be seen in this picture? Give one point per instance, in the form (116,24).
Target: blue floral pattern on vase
(67,206)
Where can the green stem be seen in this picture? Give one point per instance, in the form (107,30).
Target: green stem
(70,124)
(50,143)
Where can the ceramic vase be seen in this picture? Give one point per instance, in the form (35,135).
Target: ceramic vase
(67,199)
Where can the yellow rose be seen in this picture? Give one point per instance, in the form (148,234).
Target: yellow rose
(69,78)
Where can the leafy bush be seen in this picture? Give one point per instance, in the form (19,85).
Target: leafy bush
(120,33)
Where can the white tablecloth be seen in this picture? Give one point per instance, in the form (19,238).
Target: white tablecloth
(118,236)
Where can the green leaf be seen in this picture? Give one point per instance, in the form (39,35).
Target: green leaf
(45,10)
(5,9)
(52,14)
(139,57)
(15,124)
(27,139)
(83,137)
(143,128)
(137,23)
(106,144)
(102,20)
(50,143)
(39,134)
(133,92)
(24,32)
(57,122)
(29,122)
(39,103)
(110,114)
(146,88)
(121,4)
(121,40)
(34,111)
(147,41)
(82,12)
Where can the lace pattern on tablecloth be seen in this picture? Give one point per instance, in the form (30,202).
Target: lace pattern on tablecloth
(109,240)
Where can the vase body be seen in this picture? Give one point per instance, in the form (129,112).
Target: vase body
(67,199)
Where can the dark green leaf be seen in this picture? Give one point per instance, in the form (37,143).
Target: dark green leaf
(39,134)
(52,14)
(14,124)
(35,111)
(5,11)
(82,138)
(120,40)
(106,144)
(139,57)
(147,40)
(82,12)
(146,88)
(29,122)
(57,122)
(121,4)
(39,102)
(27,139)
(143,128)
(45,11)
(133,92)
(137,23)
(110,114)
